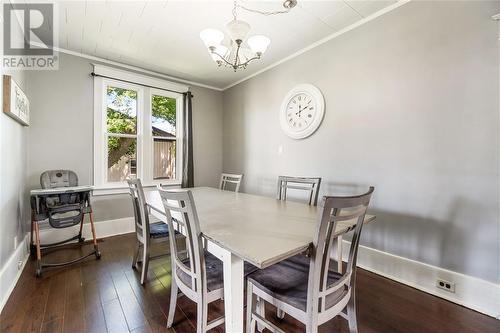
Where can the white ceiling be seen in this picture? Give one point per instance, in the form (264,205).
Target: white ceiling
(163,36)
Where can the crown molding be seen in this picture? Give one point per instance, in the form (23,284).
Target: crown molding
(323,41)
(134,68)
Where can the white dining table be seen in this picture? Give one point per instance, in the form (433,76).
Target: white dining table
(242,227)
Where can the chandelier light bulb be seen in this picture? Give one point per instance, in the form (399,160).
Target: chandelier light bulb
(258,44)
(212,37)
(238,30)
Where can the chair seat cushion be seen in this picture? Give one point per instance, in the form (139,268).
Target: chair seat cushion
(214,269)
(287,281)
(158,230)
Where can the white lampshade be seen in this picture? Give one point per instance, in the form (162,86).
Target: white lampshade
(220,50)
(211,37)
(258,44)
(238,29)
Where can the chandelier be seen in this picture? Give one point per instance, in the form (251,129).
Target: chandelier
(239,52)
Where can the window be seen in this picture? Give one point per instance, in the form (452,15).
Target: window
(121,132)
(138,134)
(163,129)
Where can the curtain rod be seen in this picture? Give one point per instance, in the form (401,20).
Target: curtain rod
(144,85)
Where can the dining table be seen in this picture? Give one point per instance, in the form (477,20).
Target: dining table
(241,227)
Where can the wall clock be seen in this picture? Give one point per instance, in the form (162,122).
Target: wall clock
(302,111)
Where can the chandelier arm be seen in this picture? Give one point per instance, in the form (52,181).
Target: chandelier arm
(222,58)
(251,59)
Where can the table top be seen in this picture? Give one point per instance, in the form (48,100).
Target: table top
(258,229)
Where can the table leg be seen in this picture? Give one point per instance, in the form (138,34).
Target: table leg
(233,292)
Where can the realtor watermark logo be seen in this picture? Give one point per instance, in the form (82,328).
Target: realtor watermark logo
(29,36)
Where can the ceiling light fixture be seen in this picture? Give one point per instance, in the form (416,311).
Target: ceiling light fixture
(236,55)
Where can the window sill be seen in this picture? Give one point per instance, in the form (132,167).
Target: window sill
(123,189)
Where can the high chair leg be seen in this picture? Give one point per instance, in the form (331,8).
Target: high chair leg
(38,251)
(94,237)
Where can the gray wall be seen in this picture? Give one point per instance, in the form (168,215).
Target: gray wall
(61,134)
(412,101)
(14,198)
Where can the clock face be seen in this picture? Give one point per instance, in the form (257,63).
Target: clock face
(302,111)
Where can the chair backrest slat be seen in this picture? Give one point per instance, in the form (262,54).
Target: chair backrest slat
(140,210)
(230,178)
(332,210)
(180,209)
(309,184)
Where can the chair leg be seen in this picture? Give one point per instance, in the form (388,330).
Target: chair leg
(249,307)
(280,313)
(252,325)
(312,328)
(136,255)
(261,310)
(145,263)
(202,317)
(173,303)
(351,314)
(339,253)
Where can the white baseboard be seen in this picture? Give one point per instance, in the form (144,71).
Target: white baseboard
(103,229)
(474,293)
(11,271)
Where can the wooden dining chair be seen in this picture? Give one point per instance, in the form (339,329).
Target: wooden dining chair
(307,288)
(147,233)
(199,274)
(308,184)
(230,178)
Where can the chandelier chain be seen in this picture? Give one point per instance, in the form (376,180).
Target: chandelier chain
(234,10)
(261,12)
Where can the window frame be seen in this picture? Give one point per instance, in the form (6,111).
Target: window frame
(144,136)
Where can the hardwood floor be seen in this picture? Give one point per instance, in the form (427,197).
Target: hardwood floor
(105,296)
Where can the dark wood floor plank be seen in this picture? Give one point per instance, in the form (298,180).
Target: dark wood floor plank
(106,296)
(56,298)
(115,319)
(54,326)
(74,309)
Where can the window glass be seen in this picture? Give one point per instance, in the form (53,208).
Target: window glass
(163,116)
(164,158)
(121,110)
(122,158)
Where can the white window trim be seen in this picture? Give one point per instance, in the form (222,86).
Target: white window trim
(144,151)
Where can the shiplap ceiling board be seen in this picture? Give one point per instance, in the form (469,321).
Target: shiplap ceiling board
(163,36)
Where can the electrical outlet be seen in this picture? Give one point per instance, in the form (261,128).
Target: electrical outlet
(445,285)
(19,265)
(15,242)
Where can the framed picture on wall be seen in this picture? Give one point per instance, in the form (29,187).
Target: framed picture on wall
(15,101)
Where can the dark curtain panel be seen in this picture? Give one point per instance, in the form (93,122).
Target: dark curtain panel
(187,142)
